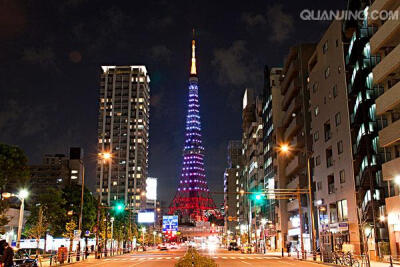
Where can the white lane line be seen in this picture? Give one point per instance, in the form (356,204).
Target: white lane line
(233,258)
(177,258)
(168,258)
(242,258)
(246,262)
(285,262)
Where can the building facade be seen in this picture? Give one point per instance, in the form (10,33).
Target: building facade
(385,45)
(232,188)
(57,171)
(365,125)
(252,180)
(296,134)
(272,116)
(123,135)
(335,194)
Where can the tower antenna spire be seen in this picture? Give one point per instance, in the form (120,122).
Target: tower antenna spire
(193,71)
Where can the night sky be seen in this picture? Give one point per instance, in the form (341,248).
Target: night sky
(51,53)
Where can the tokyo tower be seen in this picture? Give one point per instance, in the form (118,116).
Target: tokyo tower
(192,199)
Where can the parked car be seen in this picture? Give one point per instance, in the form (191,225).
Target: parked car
(247,249)
(162,247)
(233,246)
(22,259)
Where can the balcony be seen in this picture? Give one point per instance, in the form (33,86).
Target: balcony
(293,68)
(293,107)
(388,100)
(390,134)
(390,169)
(387,66)
(388,35)
(293,166)
(293,88)
(292,129)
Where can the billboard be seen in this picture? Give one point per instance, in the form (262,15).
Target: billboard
(170,223)
(146,217)
(151,188)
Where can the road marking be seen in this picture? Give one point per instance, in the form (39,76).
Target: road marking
(285,262)
(233,258)
(177,258)
(224,258)
(246,262)
(242,258)
(168,258)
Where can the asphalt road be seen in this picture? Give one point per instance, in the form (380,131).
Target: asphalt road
(168,259)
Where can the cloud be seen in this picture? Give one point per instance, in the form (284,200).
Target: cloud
(235,65)
(161,53)
(44,57)
(281,23)
(253,20)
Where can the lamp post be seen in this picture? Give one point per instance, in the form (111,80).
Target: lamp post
(21,196)
(112,236)
(154,237)
(143,232)
(103,157)
(285,148)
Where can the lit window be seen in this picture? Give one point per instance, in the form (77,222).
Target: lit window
(74,177)
(74,171)
(342,177)
(115,183)
(327,72)
(316,111)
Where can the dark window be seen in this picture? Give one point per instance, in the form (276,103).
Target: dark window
(319,186)
(340,147)
(329,159)
(315,87)
(334,91)
(342,177)
(331,184)
(342,210)
(327,130)
(325,47)
(338,119)
(337,43)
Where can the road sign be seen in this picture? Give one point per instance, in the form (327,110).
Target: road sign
(170,223)
(77,234)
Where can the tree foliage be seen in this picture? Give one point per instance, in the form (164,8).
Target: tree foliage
(14,174)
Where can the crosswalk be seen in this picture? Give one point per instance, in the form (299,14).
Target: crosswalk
(216,257)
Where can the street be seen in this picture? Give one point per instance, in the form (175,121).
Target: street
(168,259)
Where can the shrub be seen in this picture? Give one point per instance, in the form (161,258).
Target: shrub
(192,256)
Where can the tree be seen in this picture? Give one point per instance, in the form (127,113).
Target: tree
(14,174)
(53,204)
(72,195)
(38,229)
(69,233)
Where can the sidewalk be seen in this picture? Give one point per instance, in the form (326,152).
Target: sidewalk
(45,262)
(293,256)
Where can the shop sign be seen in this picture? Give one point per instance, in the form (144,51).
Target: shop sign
(343,226)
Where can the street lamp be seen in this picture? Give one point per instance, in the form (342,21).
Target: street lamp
(105,156)
(397,179)
(285,149)
(112,235)
(22,194)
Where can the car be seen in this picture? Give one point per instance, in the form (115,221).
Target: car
(162,247)
(247,249)
(22,258)
(173,246)
(233,246)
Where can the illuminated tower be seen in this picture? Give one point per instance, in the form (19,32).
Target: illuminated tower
(192,200)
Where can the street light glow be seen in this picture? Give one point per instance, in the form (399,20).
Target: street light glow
(23,193)
(397,179)
(106,155)
(382,218)
(284,148)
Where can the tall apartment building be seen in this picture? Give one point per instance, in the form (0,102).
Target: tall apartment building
(57,170)
(296,133)
(385,44)
(272,116)
(333,173)
(365,125)
(123,131)
(253,161)
(232,187)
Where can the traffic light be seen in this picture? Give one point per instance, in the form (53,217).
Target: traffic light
(119,207)
(258,197)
